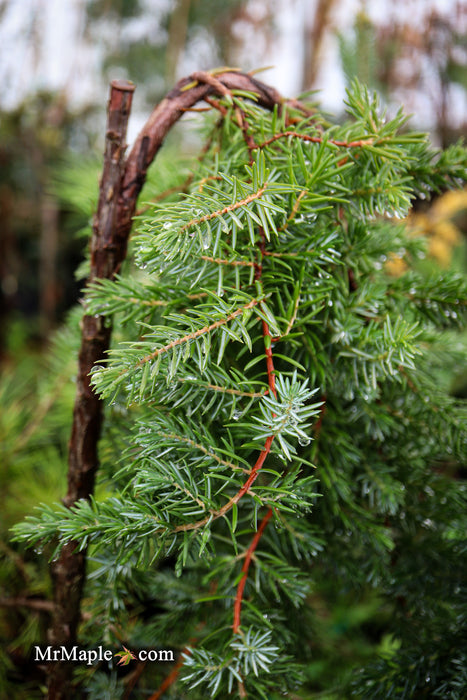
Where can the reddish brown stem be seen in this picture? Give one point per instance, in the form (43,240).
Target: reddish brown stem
(68,572)
(245,567)
(254,472)
(319,422)
(269,360)
(235,499)
(132,679)
(315,139)
(171,678)
(272,388)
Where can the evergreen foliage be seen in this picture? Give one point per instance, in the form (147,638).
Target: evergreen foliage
(276,425)
(36,395)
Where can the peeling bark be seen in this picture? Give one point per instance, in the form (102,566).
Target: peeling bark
(68,572)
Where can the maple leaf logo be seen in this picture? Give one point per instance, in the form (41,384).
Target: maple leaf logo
(127,656)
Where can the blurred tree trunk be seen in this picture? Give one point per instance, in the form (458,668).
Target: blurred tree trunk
(8,273)
(315,32)
(48,259)
(178,32)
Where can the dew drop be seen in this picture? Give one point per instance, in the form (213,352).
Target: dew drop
(304,441)
(237,415)
(205,240)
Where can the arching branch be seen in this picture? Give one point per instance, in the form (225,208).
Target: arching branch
(120,186)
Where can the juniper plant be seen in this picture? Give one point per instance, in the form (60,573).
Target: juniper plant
(275,419)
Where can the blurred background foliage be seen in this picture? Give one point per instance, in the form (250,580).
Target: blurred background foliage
(50,144)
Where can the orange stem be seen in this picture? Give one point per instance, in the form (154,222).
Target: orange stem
(316,139)
(245,567)
(269,360)
(171,678)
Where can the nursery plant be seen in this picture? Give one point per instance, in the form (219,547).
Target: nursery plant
(278,434)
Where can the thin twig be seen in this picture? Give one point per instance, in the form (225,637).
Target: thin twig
(230,207)
(195,334)
(272,388)
(33,603)
(214,514)
(222,261)
(16,559)
(245,567)
(131,680)
(172,677)
(202,448)
(316,139)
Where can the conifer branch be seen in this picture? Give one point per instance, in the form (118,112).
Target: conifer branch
(273,254)
(202,448)
(233,263)
(184,444)
(16,559)
(196,334)
(231,207)
(292,320)
(42,410)
(244,126)
(188,493)
(215,514)
(234,392)
(208,178)
(293,213)
(185,185)
(225,389)
(217,105)
(145,302)
(370,141)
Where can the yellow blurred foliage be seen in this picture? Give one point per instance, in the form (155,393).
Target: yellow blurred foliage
(438,224)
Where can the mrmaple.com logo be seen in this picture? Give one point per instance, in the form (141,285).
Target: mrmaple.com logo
(89,657)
